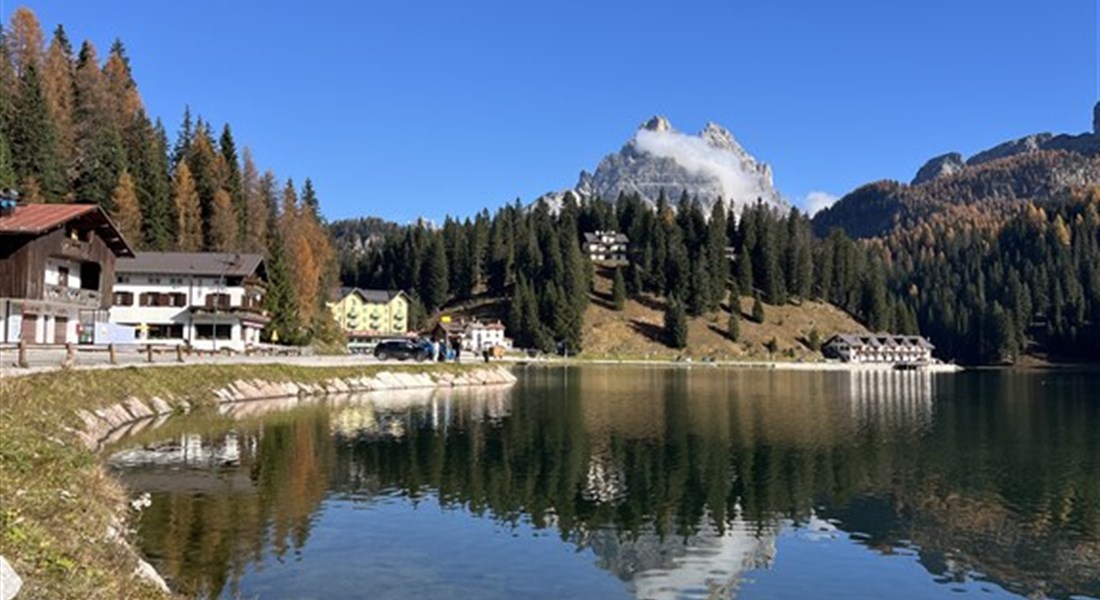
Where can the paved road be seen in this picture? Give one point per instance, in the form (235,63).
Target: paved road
(49,359)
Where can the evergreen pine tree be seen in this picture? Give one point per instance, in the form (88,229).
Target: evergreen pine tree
(33,144)
(775,289)
(233,184)
(633,281)
(183,138)
(618,290)
(744,272)
(104,162)
(433,281)
(717,262)
(676,326)
(148,161)
(699,299)
(876,307)
(813,340)
(8,178)
(515,310)
(280,299)
(205,164)
(733,326)
(309,200)
(757,309)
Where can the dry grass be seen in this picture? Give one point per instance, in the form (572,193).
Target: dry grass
(57,503)
(638,330)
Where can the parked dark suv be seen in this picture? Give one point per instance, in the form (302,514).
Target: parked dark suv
(402,350)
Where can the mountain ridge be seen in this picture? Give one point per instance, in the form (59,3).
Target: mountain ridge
(660,160)
(1035,168)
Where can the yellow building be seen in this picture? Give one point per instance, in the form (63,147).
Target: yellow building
(368,314)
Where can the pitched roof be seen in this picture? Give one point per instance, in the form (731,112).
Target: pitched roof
(380,296)
(880,340)
(373,296)
(37,219)
(595,237)
(220,264)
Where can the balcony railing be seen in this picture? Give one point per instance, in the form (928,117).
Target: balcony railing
(76,248)
(58,293)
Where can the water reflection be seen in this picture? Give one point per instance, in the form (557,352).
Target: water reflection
(679,483)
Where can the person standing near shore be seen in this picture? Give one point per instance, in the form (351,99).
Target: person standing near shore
(456,344)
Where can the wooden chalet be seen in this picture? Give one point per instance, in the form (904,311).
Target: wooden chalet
(57,270)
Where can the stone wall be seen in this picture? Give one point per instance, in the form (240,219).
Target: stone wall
(115,421)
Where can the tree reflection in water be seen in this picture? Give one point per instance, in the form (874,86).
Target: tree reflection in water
(675,479)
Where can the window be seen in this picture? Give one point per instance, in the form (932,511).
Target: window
(63,276)
(123,299)
(89,275)
(154,280)
(217,300)
(175,280)
(166,332)
(122,279)
(148,299)
(178,299)
(208,332)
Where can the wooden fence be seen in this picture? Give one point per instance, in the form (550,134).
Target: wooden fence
(151,352)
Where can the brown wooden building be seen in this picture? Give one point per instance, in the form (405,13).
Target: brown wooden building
(57,270)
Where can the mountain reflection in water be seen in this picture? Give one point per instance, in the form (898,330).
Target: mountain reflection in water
(679,483)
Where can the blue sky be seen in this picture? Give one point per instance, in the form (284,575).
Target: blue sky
(403,109)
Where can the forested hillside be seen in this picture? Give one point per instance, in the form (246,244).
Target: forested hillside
(532,257)
(998,258)
(73,127)
(991,291)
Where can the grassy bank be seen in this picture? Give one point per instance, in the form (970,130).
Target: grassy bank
(58,506)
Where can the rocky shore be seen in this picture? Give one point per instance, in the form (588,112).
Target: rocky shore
(116,421)
(65,530)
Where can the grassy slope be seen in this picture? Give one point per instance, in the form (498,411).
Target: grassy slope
(638,330)
(57,502)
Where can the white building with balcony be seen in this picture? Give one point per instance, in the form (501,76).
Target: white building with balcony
(878,348)
(606,246)
(206,300)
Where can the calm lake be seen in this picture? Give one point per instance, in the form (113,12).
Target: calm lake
(636,482)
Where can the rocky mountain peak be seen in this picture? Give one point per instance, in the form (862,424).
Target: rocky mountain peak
(720,137)
(659,160)
(1087,144)
(657,123)
(942,165)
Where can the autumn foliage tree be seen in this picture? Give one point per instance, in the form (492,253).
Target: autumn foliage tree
(126,212)
(188,213)
(223,225)
(74,127)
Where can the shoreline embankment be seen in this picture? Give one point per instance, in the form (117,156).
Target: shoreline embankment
(65,522)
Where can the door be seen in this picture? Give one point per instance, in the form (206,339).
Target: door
(30,325)
(60,330)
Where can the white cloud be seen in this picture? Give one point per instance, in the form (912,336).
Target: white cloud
(816,201)
(699,157)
